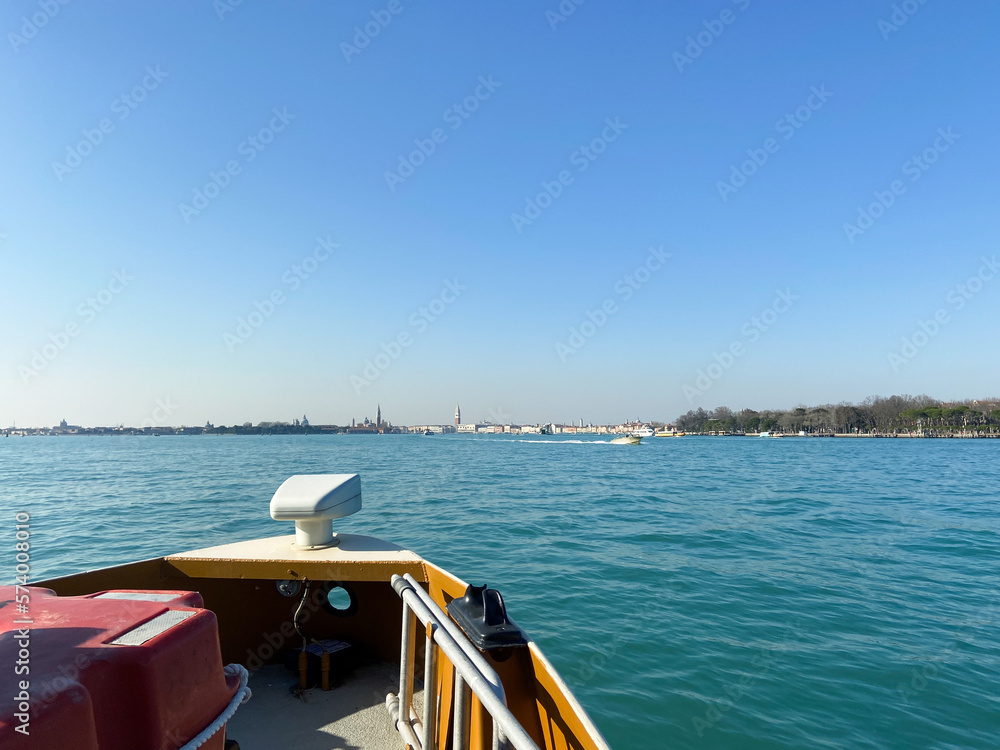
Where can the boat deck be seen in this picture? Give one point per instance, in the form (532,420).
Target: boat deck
(256,622)
(352,716)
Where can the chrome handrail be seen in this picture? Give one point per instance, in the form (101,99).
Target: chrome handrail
(471,670)
(466,645)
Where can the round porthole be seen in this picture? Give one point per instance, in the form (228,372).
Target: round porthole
(338,599)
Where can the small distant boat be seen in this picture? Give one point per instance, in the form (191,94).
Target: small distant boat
(428,432)
(666,433)
(771,435)
(644,432)
(627,440)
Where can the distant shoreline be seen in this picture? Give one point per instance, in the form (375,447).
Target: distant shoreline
(894,416)
(863,435)
(958,435)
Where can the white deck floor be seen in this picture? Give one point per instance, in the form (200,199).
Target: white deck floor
(350,717)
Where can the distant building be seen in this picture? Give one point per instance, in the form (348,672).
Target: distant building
(66,429)
(366,427)
(379,426)
(436,429)
(458,415)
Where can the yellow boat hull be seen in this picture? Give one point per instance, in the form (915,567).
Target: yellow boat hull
(255,624)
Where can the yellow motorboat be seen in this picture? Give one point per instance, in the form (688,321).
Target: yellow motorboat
(330,641)
(627,440)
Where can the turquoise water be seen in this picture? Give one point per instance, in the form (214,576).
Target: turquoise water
(694,593)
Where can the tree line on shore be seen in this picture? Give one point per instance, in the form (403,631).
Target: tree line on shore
(873,415)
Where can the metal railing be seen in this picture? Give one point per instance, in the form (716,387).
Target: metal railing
(472,672)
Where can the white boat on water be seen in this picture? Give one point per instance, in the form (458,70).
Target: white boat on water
(627,440)
(644,432)
(771,435)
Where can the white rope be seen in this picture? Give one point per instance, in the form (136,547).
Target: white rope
(242,696)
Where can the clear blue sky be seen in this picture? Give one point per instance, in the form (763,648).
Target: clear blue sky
(71,216)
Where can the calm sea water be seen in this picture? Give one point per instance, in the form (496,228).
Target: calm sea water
(694,593)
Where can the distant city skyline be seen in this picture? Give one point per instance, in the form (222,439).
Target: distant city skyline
(160,417)
(603,215)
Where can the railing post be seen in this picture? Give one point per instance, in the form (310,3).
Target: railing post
(461,711)
(430,688)
(473,677)
(406,666)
